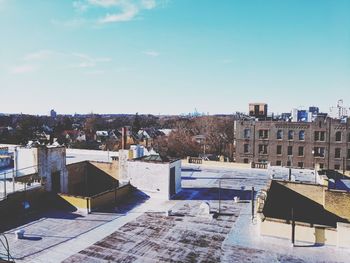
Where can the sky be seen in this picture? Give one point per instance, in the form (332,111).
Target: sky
(172,56)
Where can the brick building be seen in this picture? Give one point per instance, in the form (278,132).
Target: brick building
(324,142)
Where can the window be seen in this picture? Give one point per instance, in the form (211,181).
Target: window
(279,149)
(262,149)
(290,150)
(246,148)
(321,165)
(302,136)
(279,135)
(320,136)
(289,163)
(337,153)
(263,134)
(319,151)
(278,163)
(290,135)
(348,156)
(349,137)
(338,136)
(301,151)
(336,167)
(300,164)
(246,133)
(245,160)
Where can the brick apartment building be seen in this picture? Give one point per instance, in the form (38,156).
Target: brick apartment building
(323,143)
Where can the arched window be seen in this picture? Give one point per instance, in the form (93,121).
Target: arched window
(290,135)
(338,136)
(279,135)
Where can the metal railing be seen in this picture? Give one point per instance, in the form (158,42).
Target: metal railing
(12,180)
(5,255)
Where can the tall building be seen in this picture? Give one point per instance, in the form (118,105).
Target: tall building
(323,143)
(53,113)
(258,110)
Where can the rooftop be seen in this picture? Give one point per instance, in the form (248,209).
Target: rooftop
(140,230)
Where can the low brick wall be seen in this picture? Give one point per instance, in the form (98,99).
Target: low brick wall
(338,202)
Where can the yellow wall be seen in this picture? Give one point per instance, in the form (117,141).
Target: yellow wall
(110,197)
(338,202)
(88,204)
(79,202)
(311,191)
(111,169)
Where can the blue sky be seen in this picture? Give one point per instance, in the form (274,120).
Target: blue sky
(171,56)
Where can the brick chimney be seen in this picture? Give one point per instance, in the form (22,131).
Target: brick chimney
(124,137)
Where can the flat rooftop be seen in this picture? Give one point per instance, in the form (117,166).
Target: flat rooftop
(140,230)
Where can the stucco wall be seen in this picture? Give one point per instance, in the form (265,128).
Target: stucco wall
(343,235)
(123,165)
(26,161)
(303,233)
(149,177)
(177,165)
(50,160)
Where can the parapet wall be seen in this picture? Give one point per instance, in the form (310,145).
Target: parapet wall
(336,202)
(220,164)
(12,208)
(93,203)
(111,169)
(311,191)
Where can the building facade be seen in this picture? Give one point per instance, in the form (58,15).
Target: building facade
(323,143)
(258,110)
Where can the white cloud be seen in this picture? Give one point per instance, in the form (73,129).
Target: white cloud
(88,62)
(70,24)
(39,55)
(152,53)
(149,4)
(128,13)
(106,3)
(115,10)
(22,69)
(57,59)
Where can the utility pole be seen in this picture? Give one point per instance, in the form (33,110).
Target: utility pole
(219,196)
(293,227)
(252,199)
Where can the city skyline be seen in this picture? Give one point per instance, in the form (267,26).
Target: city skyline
(170,57)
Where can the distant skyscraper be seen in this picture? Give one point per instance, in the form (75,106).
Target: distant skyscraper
(53,113)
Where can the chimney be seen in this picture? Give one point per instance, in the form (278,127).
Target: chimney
(124,137)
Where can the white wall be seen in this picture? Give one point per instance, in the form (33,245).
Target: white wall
(177,165)
(26,161)
(50,160)
(123,166)
(149,177)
